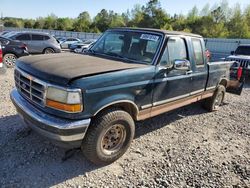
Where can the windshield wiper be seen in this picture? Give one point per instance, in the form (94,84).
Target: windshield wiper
(119,56)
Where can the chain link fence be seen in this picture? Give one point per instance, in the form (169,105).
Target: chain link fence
(80,35)
(221,48)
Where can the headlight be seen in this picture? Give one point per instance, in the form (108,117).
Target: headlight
(64,100)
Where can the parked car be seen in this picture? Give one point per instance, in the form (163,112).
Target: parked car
(12,50)
(4,32)
(2,65)
(37,43)
(68,41)
(60,38)
(83,46)
(242,55)
(128,75)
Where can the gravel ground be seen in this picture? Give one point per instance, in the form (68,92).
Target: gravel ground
(184,148)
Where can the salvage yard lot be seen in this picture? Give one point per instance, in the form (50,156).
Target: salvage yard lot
(186,147)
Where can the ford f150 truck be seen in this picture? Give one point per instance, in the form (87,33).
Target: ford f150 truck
(93,100)
(242,56)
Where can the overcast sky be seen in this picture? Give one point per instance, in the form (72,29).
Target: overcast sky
(72,8)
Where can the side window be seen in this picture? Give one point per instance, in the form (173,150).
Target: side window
(198,52)
(175,50)
(23,37)
(46,37)
(164,59)
(37,37)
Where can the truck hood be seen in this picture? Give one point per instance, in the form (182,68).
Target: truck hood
(64,67)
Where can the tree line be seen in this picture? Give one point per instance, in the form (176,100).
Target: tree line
(219,20)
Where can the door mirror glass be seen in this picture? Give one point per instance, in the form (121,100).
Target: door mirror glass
(182,64)
(232,52)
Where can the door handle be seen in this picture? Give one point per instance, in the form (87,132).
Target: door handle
(189,72)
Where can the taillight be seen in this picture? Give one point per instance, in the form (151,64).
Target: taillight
(1,55)
(24,46)
(239,73)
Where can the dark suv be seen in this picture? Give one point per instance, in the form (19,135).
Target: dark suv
(38,43)
(12,50)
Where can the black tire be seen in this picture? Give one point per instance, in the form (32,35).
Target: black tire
(48,51)
(213,103)
(9,60)
(95,147)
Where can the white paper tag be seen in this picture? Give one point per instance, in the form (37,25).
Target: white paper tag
(1,65)
(149,37)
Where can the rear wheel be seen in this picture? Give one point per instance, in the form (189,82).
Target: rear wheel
(9,60)
(49,51)
(108,137)
(214,103)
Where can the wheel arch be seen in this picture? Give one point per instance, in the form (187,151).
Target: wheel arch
(126,105)
(223,82)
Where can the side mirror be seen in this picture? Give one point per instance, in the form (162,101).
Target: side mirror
(182,64)
(232,52)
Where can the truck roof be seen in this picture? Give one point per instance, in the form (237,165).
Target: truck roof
(165,32)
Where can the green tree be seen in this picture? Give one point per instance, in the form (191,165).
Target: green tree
(154,16)
(65,24)
(28,23)
(238,26)
(83,22)
(50,22)
(102,20)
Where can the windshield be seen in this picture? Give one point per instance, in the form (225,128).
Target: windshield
(134,46)
(243,50)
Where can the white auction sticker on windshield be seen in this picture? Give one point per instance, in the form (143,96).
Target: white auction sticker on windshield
(149,37)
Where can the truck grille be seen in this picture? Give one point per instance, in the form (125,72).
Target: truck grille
(243,63)
(30,88)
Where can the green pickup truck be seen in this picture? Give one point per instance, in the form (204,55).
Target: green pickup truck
(92,101)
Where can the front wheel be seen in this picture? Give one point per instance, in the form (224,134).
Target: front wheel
(9,60)
(214,103)
(109,136)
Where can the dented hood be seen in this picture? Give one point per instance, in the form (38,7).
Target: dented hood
(62,68)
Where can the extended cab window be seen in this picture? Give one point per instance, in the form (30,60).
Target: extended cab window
(175,50)
(198,52)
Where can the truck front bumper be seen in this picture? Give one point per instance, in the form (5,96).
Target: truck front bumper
(63,132)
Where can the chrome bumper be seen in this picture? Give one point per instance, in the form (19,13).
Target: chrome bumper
(66,133)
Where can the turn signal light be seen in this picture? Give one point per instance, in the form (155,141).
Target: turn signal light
(64,107)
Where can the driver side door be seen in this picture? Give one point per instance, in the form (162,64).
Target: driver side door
(173,83)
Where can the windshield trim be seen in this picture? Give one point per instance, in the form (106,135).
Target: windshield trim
(156,55)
